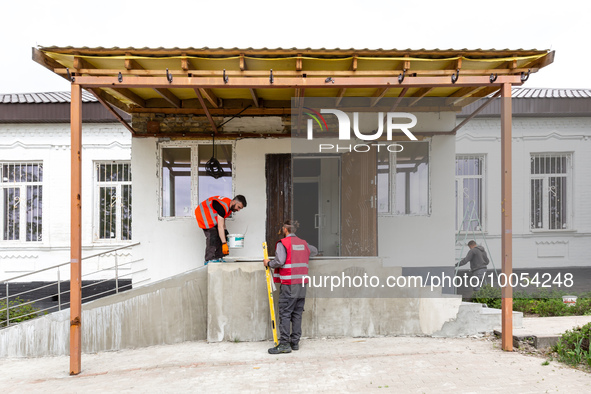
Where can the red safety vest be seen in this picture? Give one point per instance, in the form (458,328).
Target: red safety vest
(296,264)
(206,216)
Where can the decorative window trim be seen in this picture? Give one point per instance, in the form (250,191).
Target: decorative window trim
(96,203)
(22,186)
(569,203)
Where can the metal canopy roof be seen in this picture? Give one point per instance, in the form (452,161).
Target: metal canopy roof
(224,82)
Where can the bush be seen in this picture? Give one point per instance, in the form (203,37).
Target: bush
(573,346)
(491,296)
(19,311)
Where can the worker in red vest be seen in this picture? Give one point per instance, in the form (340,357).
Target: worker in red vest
(291,265)
(211,216)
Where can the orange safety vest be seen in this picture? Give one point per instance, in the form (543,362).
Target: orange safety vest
(296,263)
(206,216)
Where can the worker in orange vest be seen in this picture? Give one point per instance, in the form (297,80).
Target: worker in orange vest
(291,267)
(211,216)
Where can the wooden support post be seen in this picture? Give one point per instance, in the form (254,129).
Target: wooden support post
(75,230)
(506,215)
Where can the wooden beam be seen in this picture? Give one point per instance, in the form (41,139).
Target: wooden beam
(419,94)
(76,230)
(282,83)
(476,112)
(211,97)
(99,96)
(47,62)
(340,95)
(200,97)
(81,63)
(353,66)
(60,69)
(133,65)
(377,96)
(274,111)
(168,96)
(242,62)
(131,96)
(506,219)
(299,62)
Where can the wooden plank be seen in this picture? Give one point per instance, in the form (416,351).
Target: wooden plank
(353,66)
(419,94)
(242,62)
(281,83)
(287,73)
(47,62)
(476,112)
(99,96)
(76,230)
(81,63)
(131,96)
(340,95)
(255,98)
(213,125)
(377,96)
(299,62)
(506,219)
(211,97)
(168,96)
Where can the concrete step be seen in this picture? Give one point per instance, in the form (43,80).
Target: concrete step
(473,317)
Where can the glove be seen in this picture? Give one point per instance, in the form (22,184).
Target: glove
(225,249)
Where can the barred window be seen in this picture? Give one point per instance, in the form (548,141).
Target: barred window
(21,201)
(470,183)
(550,185)
(113,196)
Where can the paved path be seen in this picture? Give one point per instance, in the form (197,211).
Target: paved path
(397,364)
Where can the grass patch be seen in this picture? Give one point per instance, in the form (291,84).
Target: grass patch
(19,309)
(542,303)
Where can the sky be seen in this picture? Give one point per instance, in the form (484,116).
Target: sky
(562,26)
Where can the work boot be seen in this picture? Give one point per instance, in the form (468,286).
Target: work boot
(295,346)
(281,348)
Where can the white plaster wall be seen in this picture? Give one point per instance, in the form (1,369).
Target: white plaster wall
(425,241)
(50,143)
(172,246)
(534,135)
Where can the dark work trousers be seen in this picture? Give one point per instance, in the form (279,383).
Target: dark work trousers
(291,306)
(213,244)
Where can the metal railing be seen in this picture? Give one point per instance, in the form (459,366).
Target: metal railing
(117,277)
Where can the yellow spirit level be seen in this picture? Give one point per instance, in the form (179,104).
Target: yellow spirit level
(270,288)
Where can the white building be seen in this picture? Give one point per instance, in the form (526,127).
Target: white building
(35,183)
(551,178)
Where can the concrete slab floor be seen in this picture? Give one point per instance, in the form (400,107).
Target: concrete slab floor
(399,364)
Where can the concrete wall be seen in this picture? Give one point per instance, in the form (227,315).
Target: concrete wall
(50,144)
(170,311)
(240,310)
(538,248)
(227,302)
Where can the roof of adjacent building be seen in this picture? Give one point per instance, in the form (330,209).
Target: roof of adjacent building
(51,107)
(43,98)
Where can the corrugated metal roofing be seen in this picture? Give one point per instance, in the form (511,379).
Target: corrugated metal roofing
(43,98)
(522,92)
(290,51)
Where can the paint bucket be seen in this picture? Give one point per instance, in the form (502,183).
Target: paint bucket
(569,300)
(236,240)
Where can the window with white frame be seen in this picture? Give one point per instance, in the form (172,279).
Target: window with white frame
(550,186)
(21,201)
(470,194)
(113,198)
(403,179)
(186,180)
